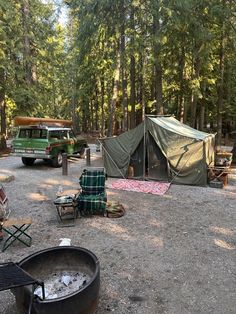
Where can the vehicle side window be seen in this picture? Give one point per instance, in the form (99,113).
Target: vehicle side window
(71,134)
(64,135)
(55,135)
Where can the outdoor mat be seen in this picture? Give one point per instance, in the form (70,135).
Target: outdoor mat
(152,187)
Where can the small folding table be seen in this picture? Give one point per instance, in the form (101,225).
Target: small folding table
(16,229)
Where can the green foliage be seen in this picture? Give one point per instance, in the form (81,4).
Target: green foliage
(72,66)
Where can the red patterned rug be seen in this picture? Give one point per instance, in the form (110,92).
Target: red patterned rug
(152,187)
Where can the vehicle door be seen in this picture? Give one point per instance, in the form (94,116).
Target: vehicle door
(73,140)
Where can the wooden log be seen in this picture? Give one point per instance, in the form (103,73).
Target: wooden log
(64,164)
(88,160)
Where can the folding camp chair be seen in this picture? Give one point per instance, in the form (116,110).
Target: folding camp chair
(92,199)
(15,229)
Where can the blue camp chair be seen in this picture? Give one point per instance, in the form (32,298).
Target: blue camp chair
(92,199)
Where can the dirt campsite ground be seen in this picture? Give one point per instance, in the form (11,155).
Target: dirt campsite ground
(172,254)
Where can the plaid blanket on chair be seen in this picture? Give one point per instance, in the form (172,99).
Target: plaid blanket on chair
(92,200)
(92,181)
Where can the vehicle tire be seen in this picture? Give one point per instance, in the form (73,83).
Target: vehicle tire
(57,161)
(28,161)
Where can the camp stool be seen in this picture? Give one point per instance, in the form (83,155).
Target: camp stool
(16,229)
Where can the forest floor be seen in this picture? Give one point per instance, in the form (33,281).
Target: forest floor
(170,254)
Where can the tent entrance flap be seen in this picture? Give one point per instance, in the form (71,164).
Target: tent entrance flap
(157,163)
(136,161)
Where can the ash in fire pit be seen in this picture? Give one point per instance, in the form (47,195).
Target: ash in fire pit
(62,283)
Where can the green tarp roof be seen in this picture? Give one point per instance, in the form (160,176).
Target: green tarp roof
(175,126)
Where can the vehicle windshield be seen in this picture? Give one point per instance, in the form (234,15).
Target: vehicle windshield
(33,133)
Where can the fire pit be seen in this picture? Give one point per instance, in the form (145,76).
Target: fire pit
(71,277)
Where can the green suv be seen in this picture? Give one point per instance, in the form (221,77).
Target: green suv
(47,143)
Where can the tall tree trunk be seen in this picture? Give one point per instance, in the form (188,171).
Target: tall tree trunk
(91,115)
(27,48)
(152,88)
(203,107)
(84,118)
(220,87)
(194,99)
(140,88)
(123,78)
(158,66)
(159,100)
(3,144)
(132,73)
(181,80)
(125,102)
(202,116)
(102,105)
(142,85)
(114,99)
(74,107)
(96,109)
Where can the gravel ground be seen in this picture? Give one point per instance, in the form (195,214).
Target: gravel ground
(172,254)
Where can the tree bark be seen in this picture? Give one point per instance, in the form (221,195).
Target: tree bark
(96,105)
(74,107)
(220,88)
(27,46)
(142,85)
(114,99)
(102,105)
(194,99)
(157,66)
(123,79)
(181,80)
(202,116)
(3,144)
(91,115)
(132,73)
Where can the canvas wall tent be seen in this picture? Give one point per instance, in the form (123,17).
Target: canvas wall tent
(160,148)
